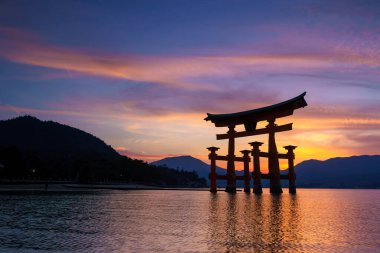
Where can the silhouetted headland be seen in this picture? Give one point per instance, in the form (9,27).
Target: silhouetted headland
(32,150)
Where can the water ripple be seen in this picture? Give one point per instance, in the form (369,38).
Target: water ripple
(189,221)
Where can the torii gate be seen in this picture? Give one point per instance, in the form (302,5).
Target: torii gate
(250,119)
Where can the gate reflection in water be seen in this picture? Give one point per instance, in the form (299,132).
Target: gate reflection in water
(260,222)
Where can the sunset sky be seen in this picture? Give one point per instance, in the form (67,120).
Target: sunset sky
(141,75)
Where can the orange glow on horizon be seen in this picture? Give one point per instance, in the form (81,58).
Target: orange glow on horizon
(320,131)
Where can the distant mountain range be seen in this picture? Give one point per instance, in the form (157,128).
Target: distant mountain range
(189,163)
(341,172)
(35,149)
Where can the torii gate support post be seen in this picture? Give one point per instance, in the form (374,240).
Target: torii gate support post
(257,189)
(212,176)
(292,174)
(273,164)
(231,176)
(247,177)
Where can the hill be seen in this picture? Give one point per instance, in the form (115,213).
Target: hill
(35,149)
(188,163)
(48,137)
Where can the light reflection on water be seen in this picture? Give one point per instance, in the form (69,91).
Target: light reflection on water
(191,221)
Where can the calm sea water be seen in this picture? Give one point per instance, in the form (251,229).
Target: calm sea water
(190,221)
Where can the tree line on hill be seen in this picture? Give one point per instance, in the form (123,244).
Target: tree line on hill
(46,150)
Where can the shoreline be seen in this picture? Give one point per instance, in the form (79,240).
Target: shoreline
(74,187)
(64,186)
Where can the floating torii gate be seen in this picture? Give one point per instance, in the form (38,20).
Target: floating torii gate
(250,119)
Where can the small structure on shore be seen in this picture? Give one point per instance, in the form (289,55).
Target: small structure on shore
(250,119)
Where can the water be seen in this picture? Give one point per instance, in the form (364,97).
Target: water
(190,221)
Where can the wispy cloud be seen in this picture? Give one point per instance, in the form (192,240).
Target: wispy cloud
(25,110)
(175,71)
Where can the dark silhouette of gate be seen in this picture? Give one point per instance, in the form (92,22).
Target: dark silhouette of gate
(250,119)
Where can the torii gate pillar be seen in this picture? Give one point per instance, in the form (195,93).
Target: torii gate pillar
(292,174)
(257,189)
(213,175)
(231,176)
(273,164)
(247,177)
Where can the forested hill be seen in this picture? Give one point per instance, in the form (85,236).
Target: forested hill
(35,149)
(30,133)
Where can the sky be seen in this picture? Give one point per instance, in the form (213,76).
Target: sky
(141,75)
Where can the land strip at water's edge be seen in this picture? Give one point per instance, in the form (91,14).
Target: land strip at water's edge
(30,185)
